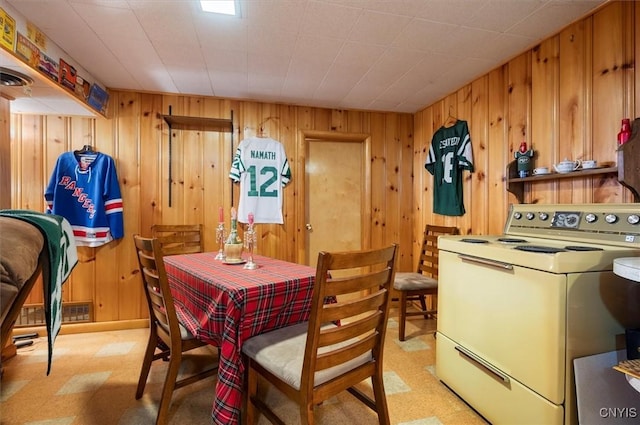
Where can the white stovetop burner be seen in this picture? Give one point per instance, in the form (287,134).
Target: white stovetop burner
(584,237)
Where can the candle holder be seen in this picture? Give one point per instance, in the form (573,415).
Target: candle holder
(221,236)
(250,240)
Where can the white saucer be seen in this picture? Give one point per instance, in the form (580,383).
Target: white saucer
(542,174)
(241,261)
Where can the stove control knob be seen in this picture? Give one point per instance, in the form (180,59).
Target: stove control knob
(611,218)
(544,216)
(591,218)
(530,216)
(517,216)
(633,219)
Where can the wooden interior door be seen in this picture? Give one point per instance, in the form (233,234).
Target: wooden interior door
(334,191)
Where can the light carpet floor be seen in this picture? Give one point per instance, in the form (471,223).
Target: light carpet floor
(94,377)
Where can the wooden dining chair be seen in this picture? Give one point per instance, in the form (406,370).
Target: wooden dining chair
(164,325)
(179,238)
(416,286)
(312,361)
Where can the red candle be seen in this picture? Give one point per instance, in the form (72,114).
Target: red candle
(250,218)
(220,215)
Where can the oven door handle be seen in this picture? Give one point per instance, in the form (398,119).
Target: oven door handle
(485,261)
(488,366)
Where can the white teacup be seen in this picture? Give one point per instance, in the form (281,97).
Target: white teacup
(541,170)
(589,163)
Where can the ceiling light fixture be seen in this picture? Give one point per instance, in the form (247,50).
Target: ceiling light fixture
(9,77)
(224,7)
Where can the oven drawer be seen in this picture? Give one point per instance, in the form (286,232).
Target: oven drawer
(498,401)
(514,318)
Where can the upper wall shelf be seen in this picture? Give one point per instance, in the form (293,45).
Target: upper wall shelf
(515,184)
(178,122)
(628,169)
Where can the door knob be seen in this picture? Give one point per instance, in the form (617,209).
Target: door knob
(309,227)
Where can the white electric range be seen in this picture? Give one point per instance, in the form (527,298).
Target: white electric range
(515,309)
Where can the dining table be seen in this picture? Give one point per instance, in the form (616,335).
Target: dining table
(225,304)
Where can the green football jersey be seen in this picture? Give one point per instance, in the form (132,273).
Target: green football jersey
(449,154)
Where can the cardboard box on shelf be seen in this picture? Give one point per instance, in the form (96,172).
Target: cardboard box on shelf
(48,66)
(67,75)
(27,51)
(8,28)
(98,98)
(83,87)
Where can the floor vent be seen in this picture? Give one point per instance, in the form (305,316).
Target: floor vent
(72,312)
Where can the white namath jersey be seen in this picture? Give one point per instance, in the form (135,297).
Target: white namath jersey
(261,166)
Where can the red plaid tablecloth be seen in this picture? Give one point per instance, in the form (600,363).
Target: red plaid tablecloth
(225,305)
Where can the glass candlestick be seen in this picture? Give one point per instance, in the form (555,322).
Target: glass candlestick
(221,236)
(250,240)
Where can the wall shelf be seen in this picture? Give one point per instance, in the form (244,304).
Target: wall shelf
(178,122)
(627,170)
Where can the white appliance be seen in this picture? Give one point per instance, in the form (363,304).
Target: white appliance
(514,310)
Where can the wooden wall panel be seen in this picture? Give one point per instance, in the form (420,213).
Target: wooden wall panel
(544,117)
(463,109)
(5,153)
(497,154)
(518,108)
(574,94)
(608,92)
(378,180)
(136,137)
(480,209)
(565,97)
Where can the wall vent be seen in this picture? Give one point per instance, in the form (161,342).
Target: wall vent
(72,312)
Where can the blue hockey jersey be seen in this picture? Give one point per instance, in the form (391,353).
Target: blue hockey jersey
(84,189)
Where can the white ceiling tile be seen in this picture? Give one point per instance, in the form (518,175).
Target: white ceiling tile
(190,80)
(267,41)
(232,84)
(424,35)
(501,46)
(221,59)
(391,66)
(328,20)
(365,54)
(283,14)
(397,7)
(378,28)
(551,18)
(106,20)
(314,48)
(156,80)
(500,15)
(229,33)
(456,12)
(359,55)
(264,64)
(167,21)
(174,53)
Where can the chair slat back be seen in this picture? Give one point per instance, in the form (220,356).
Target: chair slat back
(428,261)
(155,283)
(362,307)
(179,238)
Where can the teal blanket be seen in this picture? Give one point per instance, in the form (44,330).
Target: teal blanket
(63,257)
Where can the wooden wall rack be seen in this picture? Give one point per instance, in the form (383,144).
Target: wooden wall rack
(177,122)
(628,169)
